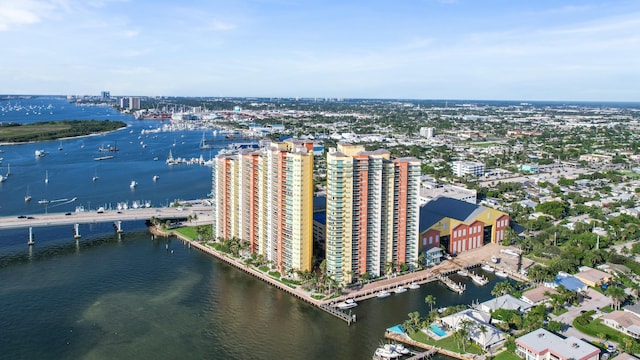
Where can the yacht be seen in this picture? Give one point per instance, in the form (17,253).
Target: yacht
(156,177)
(414,286)
(383,294)
(401,349)
(347,304)
(463,272)
(487,267)
(400,289)
(133,184)
(388,351)
(501,274)
(40,153)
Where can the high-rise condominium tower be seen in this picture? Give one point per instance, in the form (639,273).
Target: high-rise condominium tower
(372,212)
(265,197)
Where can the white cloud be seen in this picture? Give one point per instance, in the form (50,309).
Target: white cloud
(24,12)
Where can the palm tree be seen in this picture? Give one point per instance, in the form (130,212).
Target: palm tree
(616,294)
(501,288)
(483,330)
(430,300)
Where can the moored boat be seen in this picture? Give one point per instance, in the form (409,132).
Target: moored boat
(501,274)
(383,294)
(463,272)
(400,289)
(347,304)
(487,267)
(414,286)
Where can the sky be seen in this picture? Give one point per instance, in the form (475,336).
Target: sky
(583,50)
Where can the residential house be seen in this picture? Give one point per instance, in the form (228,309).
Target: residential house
(538,295)
(592,277)
(621,321)
(507,302)
(544,345)
(480,330)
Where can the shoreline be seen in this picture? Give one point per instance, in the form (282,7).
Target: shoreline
(63,138)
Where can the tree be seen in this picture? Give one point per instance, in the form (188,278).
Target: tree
(616,294)
(430,300)
(501,288)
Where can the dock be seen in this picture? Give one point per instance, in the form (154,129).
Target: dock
(425,355)
(478,279)
(459,288)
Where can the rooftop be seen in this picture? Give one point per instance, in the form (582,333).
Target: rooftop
(542,341)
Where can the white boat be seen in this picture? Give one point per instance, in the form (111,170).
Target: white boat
(494,259)
(40,153)
(463,272)
(347,304)
(27,197)
(46,176)
(487,267)
(414,286)
(399,289)
(95,176)
(388,351)
(401,349)
(383,294)
(501,274)
(43,202)
(156,177)
(133,184)
(2,178)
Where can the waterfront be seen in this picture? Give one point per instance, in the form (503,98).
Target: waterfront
(102,297)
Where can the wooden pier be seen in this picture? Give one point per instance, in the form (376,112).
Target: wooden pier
(452,285)
(425,355)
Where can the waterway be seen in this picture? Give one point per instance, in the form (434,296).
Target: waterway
(104,297)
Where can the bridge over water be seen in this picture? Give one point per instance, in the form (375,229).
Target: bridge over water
(202,212)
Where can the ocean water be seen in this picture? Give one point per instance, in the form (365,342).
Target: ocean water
(106,297)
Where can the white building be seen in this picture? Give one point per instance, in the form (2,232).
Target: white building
(545,345)
(426,132)
(462,168)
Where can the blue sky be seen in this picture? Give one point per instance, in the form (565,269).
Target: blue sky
(420,49)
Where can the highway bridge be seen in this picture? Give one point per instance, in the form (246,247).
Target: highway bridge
(202,212)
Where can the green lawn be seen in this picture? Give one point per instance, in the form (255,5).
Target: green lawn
(506,355)
(596,327)
(187,231)
(448,343)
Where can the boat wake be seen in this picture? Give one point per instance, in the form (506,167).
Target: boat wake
(60,202)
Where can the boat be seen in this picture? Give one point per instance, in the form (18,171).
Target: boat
(400,289)
(487,267)
(501,274)
(156,177)
(2,178)
(60,147)
(133,184)
(43,202)
(46,176)
(347,304)
(480,280)
(95,176)
(401,349)
(383,294)
(494,259)
(388,351)
(103,157)
(40,153)
(414,286)
(463,272)
(27,197)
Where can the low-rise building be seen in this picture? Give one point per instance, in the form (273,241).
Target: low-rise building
(462,168)
(538,295)
(592,277)
(507,302)
(432,256)
(459,226)
(544,345)
(621,321)
(480,330)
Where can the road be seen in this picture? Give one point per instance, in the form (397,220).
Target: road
(203,213)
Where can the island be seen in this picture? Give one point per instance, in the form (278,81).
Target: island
(51,130)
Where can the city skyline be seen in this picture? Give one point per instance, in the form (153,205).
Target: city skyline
(430,49)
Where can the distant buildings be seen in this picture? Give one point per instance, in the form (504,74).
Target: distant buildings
(265,197)
(131,103)
(105,95)
(372,212)
(462,168)
(426,132)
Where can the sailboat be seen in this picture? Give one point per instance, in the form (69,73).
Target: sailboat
(46,176)
(27,197)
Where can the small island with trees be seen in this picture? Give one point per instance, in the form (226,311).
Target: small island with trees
(52,130)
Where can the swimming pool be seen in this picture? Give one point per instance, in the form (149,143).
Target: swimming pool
(437,330)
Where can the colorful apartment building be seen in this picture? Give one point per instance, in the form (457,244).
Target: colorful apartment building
(265,197)
(459,226)
(372,212)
